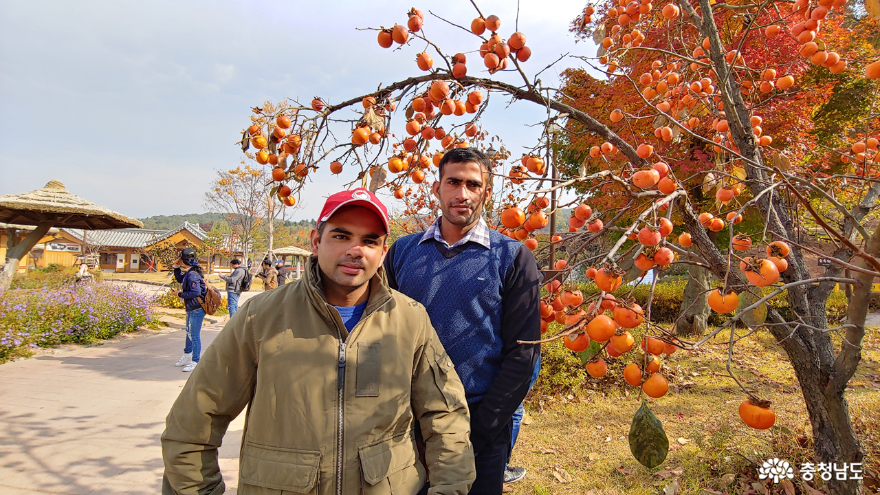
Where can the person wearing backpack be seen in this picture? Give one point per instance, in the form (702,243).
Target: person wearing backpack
(234,285)
(193,291)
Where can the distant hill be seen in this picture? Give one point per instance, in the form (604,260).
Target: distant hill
(203,219)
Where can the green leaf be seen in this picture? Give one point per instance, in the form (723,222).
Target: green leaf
(754,317)
(647,440)
(587,354)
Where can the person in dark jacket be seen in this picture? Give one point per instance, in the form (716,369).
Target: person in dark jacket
(282,272)
(233,285)
(192,288)
(481,290)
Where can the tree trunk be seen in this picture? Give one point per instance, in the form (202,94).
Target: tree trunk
(834,439)
(695,300)
(694,303)
(810,350)
(20,250)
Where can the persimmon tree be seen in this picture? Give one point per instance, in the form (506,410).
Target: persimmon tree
(702,79)
(828,106)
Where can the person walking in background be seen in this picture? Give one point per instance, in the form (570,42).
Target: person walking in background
(481,290)
(282,272)
(192,288)
(233,285)
(335,369)
(269,275)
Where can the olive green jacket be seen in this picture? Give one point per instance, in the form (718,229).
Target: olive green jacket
(328,412)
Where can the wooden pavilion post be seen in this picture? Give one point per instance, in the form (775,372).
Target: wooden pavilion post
(18,250)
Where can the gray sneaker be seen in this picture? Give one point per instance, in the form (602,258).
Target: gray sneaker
(514,474)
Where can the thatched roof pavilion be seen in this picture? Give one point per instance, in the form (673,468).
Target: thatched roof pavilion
(51,206)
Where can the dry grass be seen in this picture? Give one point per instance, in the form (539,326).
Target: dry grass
(586,434)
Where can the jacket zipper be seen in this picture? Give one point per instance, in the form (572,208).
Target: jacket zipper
(340,387)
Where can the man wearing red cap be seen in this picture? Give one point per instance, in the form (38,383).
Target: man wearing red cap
(336,370)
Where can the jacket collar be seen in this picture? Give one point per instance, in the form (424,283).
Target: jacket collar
(380,293)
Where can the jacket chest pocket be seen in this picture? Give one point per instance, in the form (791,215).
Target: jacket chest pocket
(391,468)
(275,468)
(369,365)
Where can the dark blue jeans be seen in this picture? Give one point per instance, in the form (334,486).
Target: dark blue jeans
(194,321)
(232,302)
(491,461)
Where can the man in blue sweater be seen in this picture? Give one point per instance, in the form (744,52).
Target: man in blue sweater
(481,290)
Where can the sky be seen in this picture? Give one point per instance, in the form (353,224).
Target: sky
(135,105)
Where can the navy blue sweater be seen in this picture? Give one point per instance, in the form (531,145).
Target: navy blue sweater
(481,301)
(192,286)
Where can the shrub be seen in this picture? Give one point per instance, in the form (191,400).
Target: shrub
(561,369)
(563,373)
(666,304)
(81,314)
(53,277)
(168,300)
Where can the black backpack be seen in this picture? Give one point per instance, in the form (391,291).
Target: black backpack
(246,281)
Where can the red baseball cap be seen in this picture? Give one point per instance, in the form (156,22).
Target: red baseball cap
(355,197)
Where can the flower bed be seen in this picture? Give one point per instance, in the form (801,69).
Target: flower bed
(82,314)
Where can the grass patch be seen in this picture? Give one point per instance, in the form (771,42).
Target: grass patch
(580,424)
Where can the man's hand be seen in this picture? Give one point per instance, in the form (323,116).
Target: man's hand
(176,263)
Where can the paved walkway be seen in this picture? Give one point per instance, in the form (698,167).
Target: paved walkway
(89,420)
